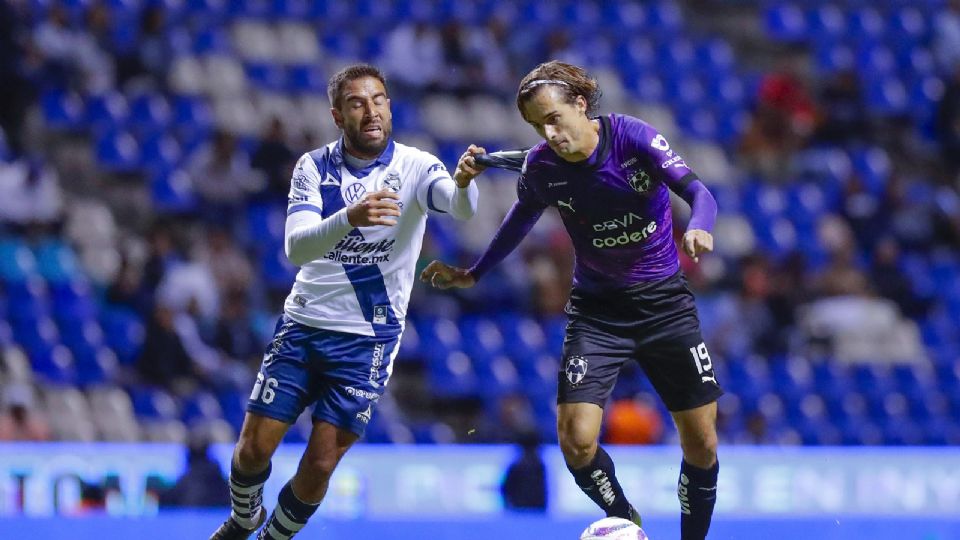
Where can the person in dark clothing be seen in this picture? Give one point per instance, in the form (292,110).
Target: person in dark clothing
(524,486)
(202,484)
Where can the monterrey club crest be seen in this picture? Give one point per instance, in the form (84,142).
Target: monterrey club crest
(576,369)
(640,181)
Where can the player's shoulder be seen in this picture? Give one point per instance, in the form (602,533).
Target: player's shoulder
(416,157)
(627,125)
(539,158)
(315,160)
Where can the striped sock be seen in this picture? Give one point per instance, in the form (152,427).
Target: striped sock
(246,495)
(290,515)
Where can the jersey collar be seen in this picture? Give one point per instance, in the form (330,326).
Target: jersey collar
(384,159)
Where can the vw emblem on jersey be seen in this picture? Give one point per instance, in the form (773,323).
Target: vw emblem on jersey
(576,369)
(640,181)
(392,182)
(354,192)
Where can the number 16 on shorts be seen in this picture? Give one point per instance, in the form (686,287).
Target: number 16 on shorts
(268,387)
(704,365)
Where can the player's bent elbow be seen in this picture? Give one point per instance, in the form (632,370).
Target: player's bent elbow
(295,255)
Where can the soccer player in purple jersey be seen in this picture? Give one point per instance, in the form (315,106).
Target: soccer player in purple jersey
(609,178)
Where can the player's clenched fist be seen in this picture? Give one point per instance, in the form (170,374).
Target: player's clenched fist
(467,167)
(377,208)
(444,276)
(697,241)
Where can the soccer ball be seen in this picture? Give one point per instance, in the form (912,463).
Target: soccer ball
(613,528)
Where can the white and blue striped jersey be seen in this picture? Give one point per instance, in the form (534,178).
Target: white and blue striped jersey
(358,280)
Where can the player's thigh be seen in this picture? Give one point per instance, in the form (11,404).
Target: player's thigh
(592,358)
(354,379)
(285,379)
(697,426)
(681,371)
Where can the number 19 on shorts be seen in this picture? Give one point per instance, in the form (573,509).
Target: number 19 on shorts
(702,360)
(264,389)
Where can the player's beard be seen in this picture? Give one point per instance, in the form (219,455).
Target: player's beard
(368,148)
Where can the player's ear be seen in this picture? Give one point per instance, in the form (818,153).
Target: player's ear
(581,103)
(337,117)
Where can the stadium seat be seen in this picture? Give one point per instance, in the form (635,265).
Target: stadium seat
(149,112)
(153,403)
(56,262)
(124,333)
(108,111)
(785,22)
(118,151)
(62,110)
(17,262)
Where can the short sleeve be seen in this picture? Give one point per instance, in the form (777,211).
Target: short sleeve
(305,187)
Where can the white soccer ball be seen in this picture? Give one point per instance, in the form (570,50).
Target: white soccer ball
(613,528)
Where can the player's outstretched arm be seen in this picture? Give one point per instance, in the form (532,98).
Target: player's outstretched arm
(444,276)
(697,241)
(467,166)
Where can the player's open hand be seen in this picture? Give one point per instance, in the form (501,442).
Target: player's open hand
(467,167)
(697,241)
(444,276)
(377,208)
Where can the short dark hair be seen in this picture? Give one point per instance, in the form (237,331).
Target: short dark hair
(572,81)
(351,73)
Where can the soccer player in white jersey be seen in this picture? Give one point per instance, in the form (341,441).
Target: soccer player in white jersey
(355,221)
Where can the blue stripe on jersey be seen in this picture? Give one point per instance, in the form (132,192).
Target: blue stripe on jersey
(329,193)
(374,301)
(367,280)
(299,207)
(430,204)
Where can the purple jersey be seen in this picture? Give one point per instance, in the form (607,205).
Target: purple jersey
(615,205)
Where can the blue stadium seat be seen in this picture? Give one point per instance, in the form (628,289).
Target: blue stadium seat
(887,97)
(107,111)
(161,151)
(210,40)
(785,22)
(150,111)
(73,301)
(267,76)
(664,17)
(628,15)
(311,79)
(62,110)
(277,271)
(482,339)
(453,375)
(200,406)
(118,151)
(153,403)
(866,22)
(17,262)
(124,332)
(233,405)
(825,20)
(53,365)
(27,300)
(56,262)
(94,365)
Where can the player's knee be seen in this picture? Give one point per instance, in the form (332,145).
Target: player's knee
(701,450)
(577,446)
(252,454)
(320,467)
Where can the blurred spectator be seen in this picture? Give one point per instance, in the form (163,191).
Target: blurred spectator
(463,65)
(844,111)
(222,176)
(150,60)
(864,211)
(15,92)
(163,252)
(274,158)
(413,57)
(30,196)
(632,421)
(842,276)
(229,266)
(524,485)
(190,285)
(235,335)
(164,360)
(747,320)
(127,289)
(948,123)
(783,117)
(72,57)
(946,37)
(20,419)
(891,282)
(202,484)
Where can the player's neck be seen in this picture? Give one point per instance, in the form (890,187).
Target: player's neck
(591,140)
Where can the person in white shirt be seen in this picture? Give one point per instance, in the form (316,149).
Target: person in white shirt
(355,220)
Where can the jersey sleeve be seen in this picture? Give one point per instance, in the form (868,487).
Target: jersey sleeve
(438,192)
(305,187)
(665,164)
